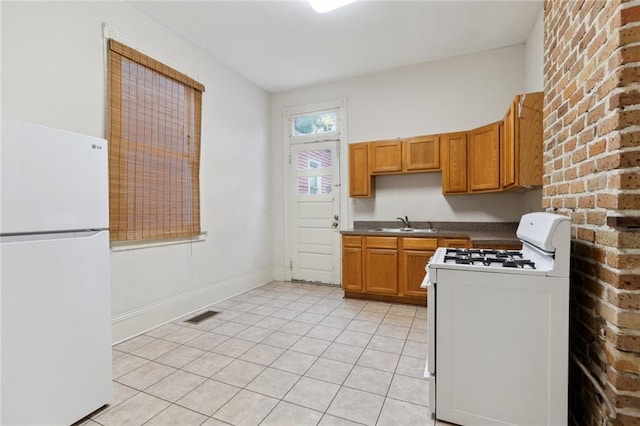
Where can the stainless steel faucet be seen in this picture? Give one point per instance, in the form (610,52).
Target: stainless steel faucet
(405,221)
(429,225)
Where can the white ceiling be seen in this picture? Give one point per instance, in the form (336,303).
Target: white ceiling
(281,45)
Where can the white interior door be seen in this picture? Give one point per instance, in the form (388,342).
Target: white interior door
(315,189)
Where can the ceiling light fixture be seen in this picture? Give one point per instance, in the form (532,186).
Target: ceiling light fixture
(323,6)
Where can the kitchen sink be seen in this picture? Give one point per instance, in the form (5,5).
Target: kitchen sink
(408,230)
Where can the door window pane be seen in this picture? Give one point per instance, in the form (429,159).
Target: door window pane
(320,159)
(315,185)
(314,123)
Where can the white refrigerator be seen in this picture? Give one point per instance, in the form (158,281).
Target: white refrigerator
(55,286)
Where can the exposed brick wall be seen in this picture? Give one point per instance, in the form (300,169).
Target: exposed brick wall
(592,172)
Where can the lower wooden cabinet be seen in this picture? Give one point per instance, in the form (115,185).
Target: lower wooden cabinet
(389,268)
(381,265)
(414,255)
(352,263)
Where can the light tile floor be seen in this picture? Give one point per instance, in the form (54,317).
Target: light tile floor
(282,354)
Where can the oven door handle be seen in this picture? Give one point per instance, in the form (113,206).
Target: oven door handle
(431,326)
(425,281)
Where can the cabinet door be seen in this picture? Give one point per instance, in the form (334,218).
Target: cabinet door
(412,270)
(360,184)
(508,147)
(352,269)
(529,139)
(484,158)
(385,157)
(454,163)
(381,271)
(421,153)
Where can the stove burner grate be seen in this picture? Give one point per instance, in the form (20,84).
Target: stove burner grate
(497,258)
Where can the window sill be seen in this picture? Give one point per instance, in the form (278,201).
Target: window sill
(138,245)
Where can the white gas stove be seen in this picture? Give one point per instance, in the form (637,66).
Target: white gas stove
(498,328)
(546,241)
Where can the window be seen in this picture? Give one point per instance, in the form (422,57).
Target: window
(316,165)
(315,182)
(323,122)
(154,148)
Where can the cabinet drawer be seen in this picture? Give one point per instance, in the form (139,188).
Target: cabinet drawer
(352,241)
(420,243)
(514,246)
(382,242)
(455,243)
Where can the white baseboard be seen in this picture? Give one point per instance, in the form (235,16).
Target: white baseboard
(133,323)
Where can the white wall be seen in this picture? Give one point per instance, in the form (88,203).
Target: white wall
(534,57)
(534,82)
(53,73)
(436,97)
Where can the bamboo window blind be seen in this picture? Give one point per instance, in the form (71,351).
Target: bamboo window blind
(154,148)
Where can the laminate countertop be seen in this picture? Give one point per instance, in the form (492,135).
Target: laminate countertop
(485,234)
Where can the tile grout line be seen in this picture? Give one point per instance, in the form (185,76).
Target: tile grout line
(312,324)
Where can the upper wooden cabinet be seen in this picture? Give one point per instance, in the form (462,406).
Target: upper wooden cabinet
(501,156)
(421,153)
(508,147)
(521,143)
(454,163)
(484,158)
(385,157)
(360,182)
(411,155)
(471,160)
